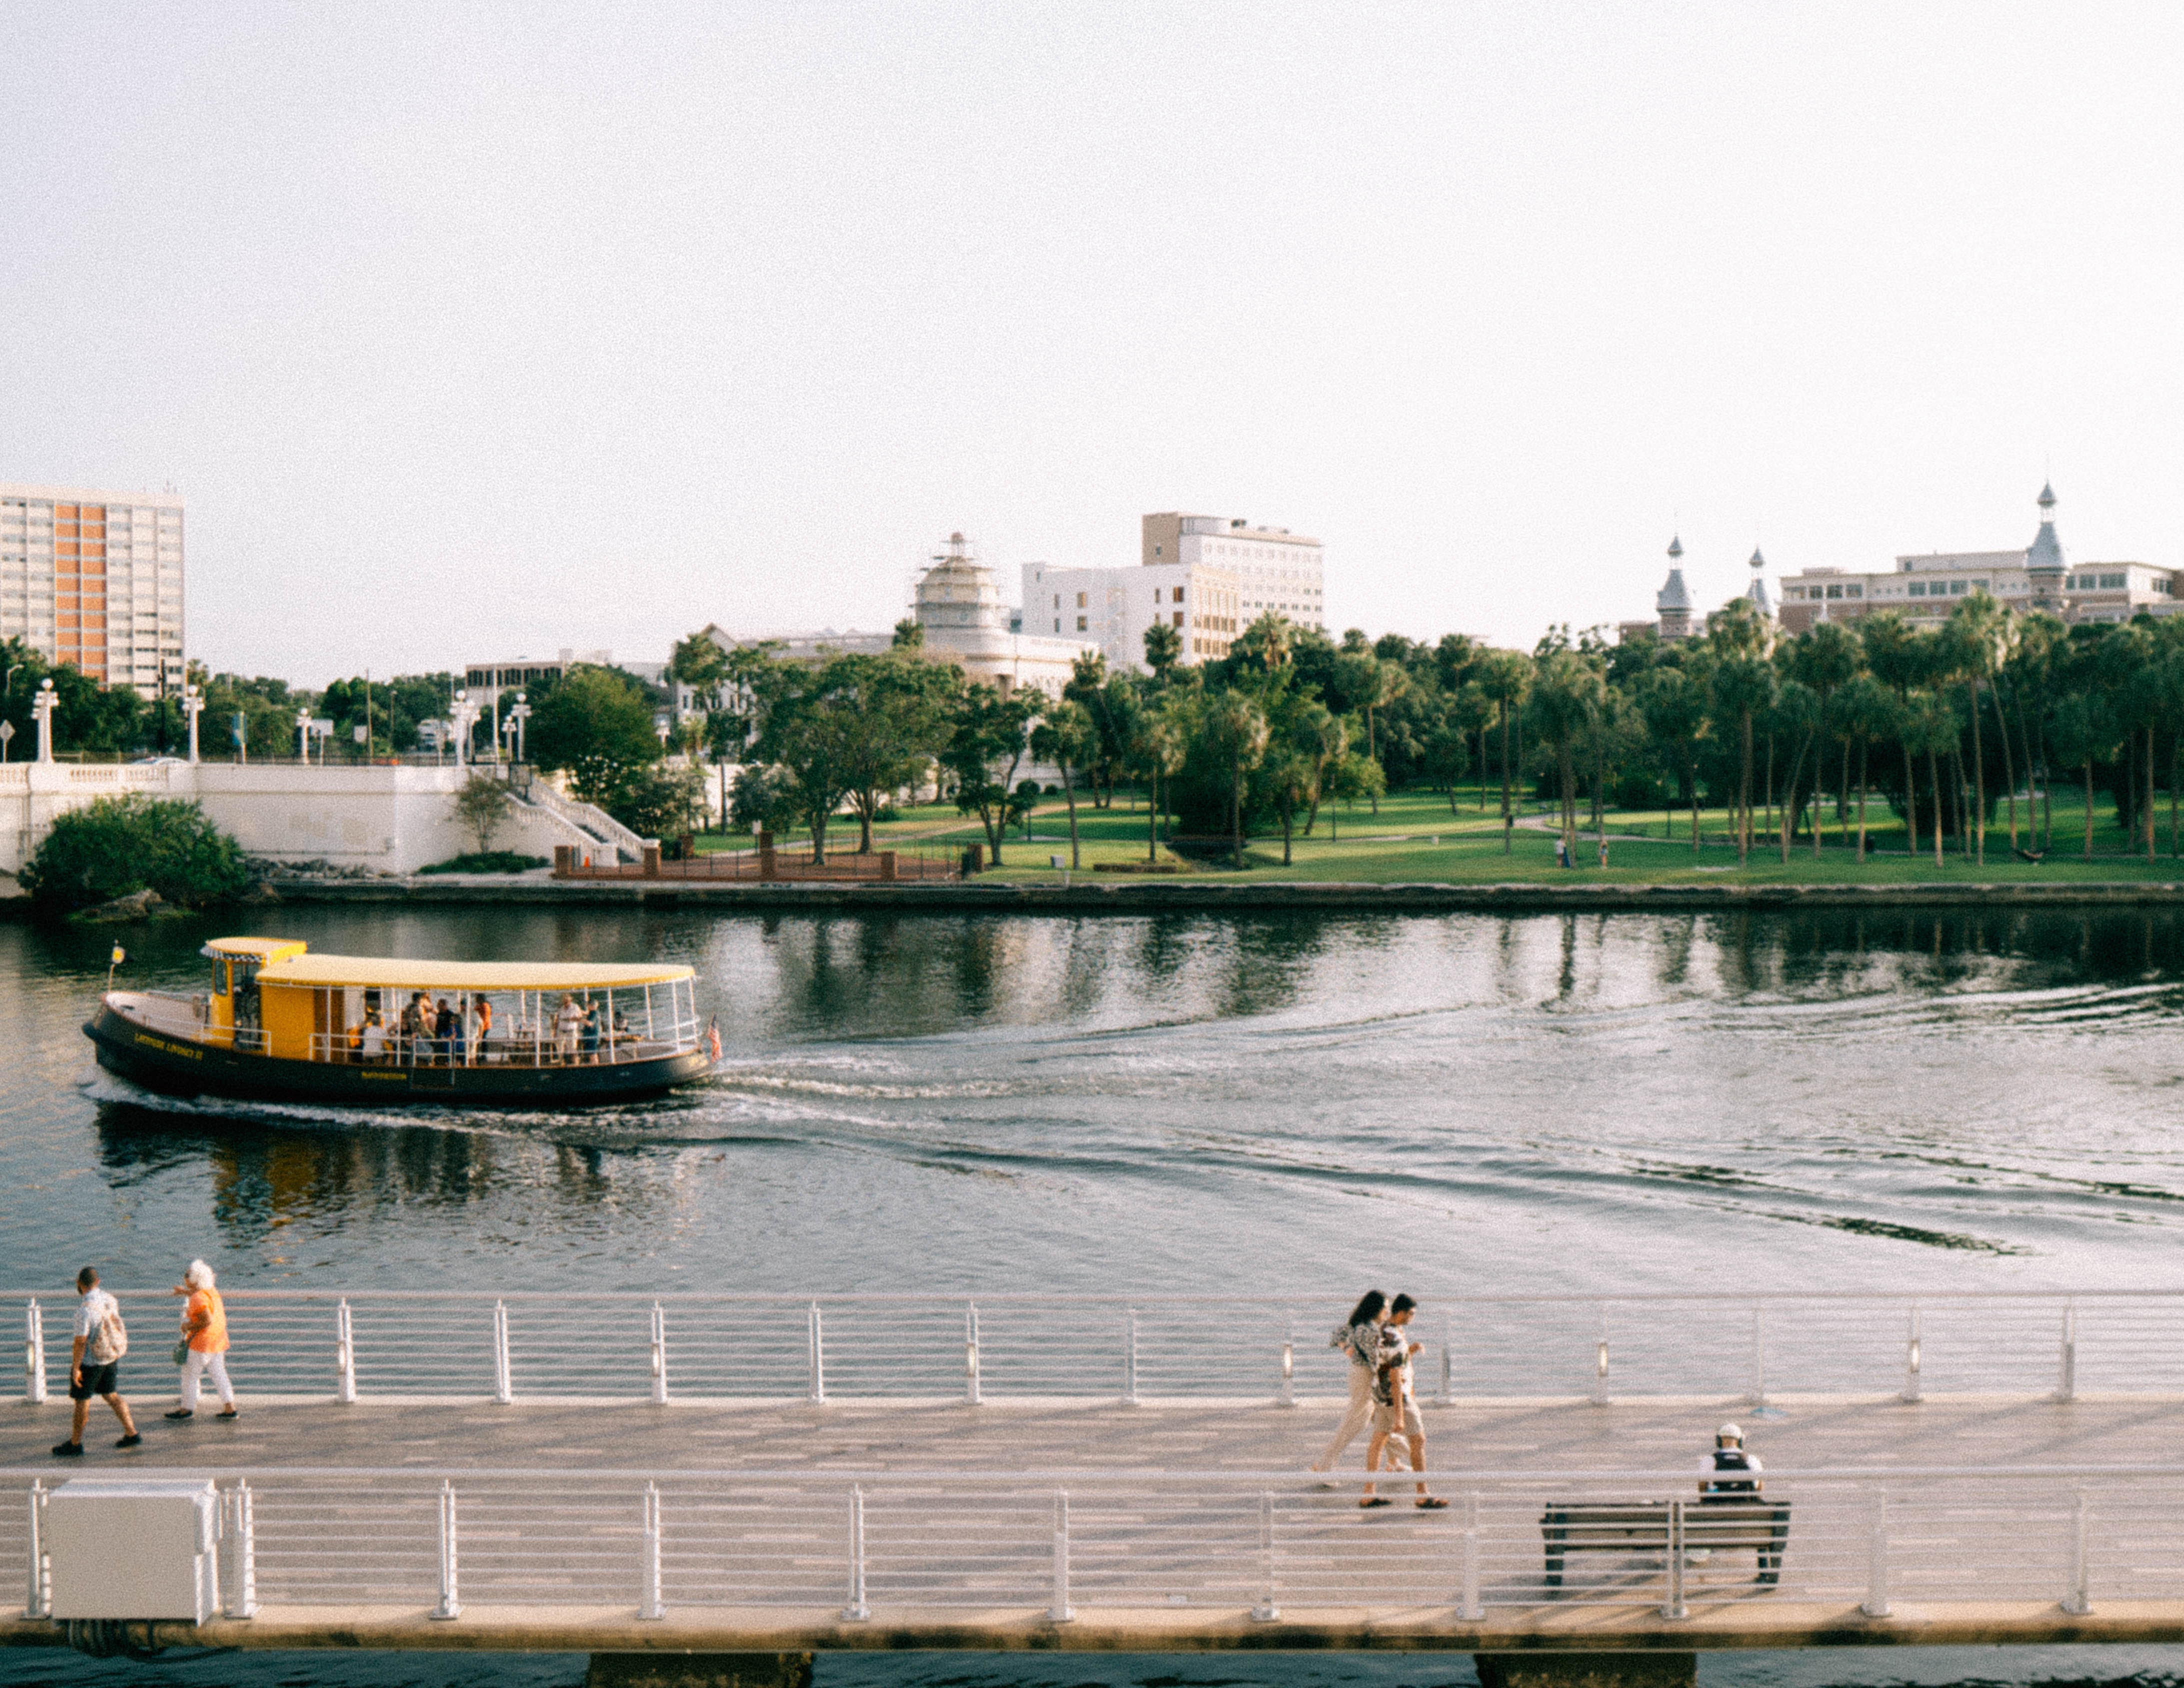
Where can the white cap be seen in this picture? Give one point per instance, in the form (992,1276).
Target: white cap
(1729,1432)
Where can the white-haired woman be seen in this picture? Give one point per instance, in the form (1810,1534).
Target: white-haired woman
(204,1330)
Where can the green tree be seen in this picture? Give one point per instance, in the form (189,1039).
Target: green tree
(1352,780)
(598,727)
(1868,713)
(1158,745)
(2082,730)
(1674,703)
(1163,650)
(1066,737)
(480,807)
(1929,729)
(1236,730)
(984,754)
(116,846)
(1567,693)
(1504,679)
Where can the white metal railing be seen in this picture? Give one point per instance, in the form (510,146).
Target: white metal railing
(552,1345)
(588,818)
(878,1544)
(520,1047)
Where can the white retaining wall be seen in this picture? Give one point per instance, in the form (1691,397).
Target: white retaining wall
(389,820)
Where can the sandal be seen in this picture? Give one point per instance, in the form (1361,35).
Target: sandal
(1371,1501)
(229,1413)
(1433,1503)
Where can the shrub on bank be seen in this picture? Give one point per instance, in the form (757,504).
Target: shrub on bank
(119,845)
(487,862)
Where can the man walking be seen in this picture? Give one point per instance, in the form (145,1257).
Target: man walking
(95,1364)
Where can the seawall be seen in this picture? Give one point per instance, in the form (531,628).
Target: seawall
(1199,897)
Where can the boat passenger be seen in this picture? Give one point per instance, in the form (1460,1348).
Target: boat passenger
(589,1035)
(566,1019)
(484,1006)
(374,1044)
(448,1027)
(415,1041)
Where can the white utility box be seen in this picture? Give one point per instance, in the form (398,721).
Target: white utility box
(123,1549)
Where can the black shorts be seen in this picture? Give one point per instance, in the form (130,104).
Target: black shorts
(98,1379)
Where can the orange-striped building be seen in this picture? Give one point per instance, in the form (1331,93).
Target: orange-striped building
(95,579)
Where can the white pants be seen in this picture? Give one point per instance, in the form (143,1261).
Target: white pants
(1353,1419)
(199,1365)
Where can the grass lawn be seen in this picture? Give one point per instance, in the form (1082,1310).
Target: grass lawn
(1416,838)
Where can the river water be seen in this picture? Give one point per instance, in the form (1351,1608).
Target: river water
(1308,1102)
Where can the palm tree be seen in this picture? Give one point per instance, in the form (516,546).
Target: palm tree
(2082,729)
(1568,694)
(1237,726)
(1929,726)
(1825,658)
(1867,711)
(1973,640)
(1505,681)
(1900,656)
(1675,704)
(1163,738)
(1067,738)
(1796,716)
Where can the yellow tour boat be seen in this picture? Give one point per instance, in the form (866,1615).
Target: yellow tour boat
(280,1024)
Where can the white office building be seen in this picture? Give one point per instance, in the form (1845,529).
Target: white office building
(1274,569)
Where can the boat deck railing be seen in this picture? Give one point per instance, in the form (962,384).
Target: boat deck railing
(346,1049)
(556,1345)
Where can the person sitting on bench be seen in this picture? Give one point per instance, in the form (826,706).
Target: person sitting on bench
(1717,1481)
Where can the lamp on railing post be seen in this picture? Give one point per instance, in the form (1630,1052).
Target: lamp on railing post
(41,711)
(504,1380)
(2066,1376)
(818,1380)
(516,717)
(193,706)
(1130,1360)
(651,1604)
(971,1393)
(1599,1362)
(857,1611)
(303,735)
(1875,1604)
(1912,1358)
(1287,1395)
(344,1355)
(34,1354)
(659,1354)
(465,712)
(449,1605)
(1060,1611)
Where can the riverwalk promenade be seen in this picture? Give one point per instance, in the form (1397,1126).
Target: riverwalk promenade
(503,1472)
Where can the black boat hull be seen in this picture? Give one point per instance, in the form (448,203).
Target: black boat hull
(176,1067)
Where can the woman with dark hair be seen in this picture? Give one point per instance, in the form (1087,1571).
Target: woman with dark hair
(1359,1338)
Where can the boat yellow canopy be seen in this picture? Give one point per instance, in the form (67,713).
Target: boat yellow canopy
(381,973)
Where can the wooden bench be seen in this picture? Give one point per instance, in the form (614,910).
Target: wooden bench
(1642,1526)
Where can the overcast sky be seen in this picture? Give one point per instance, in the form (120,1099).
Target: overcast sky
(474,332)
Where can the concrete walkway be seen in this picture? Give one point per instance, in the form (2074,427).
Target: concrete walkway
(867,1435)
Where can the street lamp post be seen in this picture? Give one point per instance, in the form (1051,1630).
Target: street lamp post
(516,717)
(465,712)
(41,711)
(192,707)
(303,735)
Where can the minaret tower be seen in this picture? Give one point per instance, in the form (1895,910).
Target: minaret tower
(2043,558)
(1757,592)
(1674,600)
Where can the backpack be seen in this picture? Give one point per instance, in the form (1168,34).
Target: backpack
(1731,1459)
(109,1342)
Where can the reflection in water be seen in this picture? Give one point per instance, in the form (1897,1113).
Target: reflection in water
(1828,1096)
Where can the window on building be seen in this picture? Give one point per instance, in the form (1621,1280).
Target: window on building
(1057,624)
(1958,587)
(1853,592)
(1835,592)
(1918,589)
(1179,618)
(2113,583)
(1080,600)
(1080,624)
(1178,594)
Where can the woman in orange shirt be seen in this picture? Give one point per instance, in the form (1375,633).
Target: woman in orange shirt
(204,1329)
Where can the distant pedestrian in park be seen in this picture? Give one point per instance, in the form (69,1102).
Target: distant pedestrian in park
(1395,1403)
(204,1333)
(1358,1337)
(95,1364)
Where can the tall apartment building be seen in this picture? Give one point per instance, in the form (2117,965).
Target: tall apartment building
(1274,569)
(95,580)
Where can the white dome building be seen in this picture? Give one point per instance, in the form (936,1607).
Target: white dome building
(959,607)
